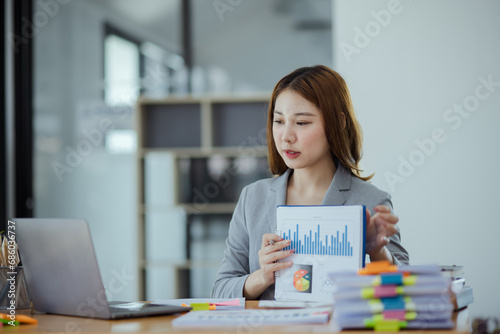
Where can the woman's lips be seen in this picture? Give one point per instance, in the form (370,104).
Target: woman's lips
(291,154)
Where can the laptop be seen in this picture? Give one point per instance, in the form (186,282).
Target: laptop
(62,274)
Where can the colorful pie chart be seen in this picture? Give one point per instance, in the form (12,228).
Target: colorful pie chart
(302,280)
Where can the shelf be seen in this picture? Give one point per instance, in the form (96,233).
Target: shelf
(180,264)
(256,97)
(202,122)
(179,127)
(194,156)
(196,152)
(239,124)
(212,208)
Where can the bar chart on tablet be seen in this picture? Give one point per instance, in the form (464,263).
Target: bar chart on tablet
(327,238)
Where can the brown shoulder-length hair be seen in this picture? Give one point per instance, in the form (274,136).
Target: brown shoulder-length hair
(327,90)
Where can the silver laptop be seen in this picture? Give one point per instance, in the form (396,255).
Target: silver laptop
(62,273)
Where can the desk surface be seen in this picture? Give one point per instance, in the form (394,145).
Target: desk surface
(48,323)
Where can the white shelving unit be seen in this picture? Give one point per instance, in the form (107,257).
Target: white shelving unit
(199,135)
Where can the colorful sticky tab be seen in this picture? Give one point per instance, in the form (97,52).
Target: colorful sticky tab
(20,319)
(394,303)
(384,325)
(5,321)
(395,314)
(410,280)
(391,278)
(233,302)
(377,267)
(376,305)
(367,293)
(200,306)
(389,325)
(385,291)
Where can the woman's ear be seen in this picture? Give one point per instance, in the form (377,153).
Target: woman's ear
(344,124)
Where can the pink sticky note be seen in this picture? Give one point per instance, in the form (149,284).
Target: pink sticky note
(395,314)
(385,291)
(234,302)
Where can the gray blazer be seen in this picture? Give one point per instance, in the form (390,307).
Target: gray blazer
(255,215)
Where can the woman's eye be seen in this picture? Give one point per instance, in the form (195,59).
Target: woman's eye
(277,121)
(302,123)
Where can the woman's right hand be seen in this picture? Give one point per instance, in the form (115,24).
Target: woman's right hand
(271,251)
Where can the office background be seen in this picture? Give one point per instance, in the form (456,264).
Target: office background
(425,82)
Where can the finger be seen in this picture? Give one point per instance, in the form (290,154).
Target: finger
(393,229)
(277,246)
(382,208)
(386,217)
(275,256)
(279,265)
(384,228)
(368,216)
(388,230)
(270,238)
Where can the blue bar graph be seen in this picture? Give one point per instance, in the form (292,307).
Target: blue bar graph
(304,243)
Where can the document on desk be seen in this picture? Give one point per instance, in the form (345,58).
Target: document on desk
(256,317)
(220,303)
(324,239)
(293,304)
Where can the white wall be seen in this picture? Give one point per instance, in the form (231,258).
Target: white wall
(404,79)
(258,42)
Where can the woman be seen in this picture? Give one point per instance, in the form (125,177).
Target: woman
(314,146)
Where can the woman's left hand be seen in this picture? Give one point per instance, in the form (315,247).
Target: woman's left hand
(378,230)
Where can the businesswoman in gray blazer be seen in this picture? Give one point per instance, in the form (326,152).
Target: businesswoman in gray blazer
(314,149)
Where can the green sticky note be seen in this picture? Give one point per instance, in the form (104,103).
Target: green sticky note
(5,321)
(389,325)
(200,306)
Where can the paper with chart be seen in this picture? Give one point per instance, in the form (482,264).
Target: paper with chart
(325,239)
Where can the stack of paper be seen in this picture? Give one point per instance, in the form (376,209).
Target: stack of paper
(254,317)
(388,298)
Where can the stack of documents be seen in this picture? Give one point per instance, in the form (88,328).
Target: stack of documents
(254,318)
(387,298)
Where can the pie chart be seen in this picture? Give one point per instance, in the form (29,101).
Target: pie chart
(302,280)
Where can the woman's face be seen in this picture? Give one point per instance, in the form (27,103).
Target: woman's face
(299,133)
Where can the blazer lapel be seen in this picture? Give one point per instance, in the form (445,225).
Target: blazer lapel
(276,195)
(341,182)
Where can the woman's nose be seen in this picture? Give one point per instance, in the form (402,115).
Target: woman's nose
(288,135)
